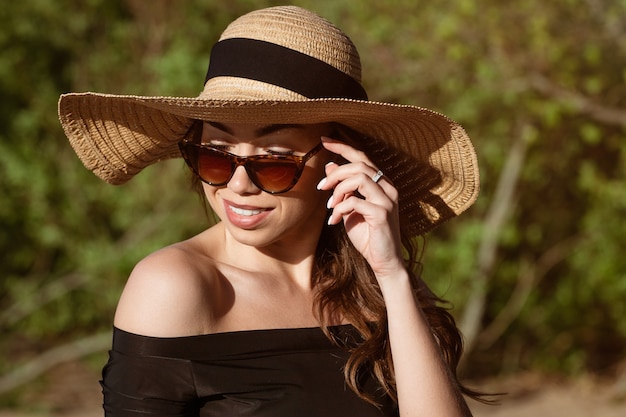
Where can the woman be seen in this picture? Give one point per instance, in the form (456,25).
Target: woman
(305,298)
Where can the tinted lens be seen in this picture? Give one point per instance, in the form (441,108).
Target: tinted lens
(213,167)
(270,173)
(273,176)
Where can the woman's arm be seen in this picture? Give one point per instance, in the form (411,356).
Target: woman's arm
(424,382)
(164,297)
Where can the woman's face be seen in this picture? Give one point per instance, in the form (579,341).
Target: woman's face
(258,218)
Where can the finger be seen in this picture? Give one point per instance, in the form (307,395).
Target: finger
(352,155)
(359,184)
(330,167)
(346,180)
(336,173)
(374,214)
(346,151)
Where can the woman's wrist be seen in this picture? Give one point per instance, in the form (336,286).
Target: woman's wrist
(394,284)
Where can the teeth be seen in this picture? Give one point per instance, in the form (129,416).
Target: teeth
(244,212)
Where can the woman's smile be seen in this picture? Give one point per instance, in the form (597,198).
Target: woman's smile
(245,217)
(255,217)
(245,212)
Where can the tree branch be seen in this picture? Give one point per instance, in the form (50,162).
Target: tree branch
(582,104)
(495,219)
(530,275)
(53,357)
(22,308)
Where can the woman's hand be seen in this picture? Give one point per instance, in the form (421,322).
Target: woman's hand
(368,209)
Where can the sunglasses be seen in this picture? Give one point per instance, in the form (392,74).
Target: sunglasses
(273,174)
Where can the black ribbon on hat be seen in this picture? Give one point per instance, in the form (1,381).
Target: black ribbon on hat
(283,67)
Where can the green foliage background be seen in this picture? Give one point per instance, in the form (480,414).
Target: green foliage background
(545,77)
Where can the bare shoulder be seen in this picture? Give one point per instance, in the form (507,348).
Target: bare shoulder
(168,293)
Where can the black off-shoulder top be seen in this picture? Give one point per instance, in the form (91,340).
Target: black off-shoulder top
(260,373)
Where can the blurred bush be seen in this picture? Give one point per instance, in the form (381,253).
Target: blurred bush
(535,270)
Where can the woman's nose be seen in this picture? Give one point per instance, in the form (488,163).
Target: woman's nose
(241,183)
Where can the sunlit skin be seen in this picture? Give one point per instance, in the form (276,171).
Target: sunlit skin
(276,224)
(253,269)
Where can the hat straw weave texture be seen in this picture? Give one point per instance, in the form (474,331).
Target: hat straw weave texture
(305,71)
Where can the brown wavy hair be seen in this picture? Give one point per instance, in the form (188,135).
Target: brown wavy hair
(346,287)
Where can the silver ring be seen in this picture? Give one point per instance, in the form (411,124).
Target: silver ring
(377,176)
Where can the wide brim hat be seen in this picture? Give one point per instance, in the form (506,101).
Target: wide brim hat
(284,65)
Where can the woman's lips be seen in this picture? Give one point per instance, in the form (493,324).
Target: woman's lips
(245,212)
(245,216)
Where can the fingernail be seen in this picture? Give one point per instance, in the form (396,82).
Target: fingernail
(329,204)
(321,183)
(327,139)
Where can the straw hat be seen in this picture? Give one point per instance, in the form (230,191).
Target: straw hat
(284,65)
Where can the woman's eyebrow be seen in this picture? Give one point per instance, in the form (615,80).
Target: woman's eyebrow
(260,132)
(220,126)
(266,130)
